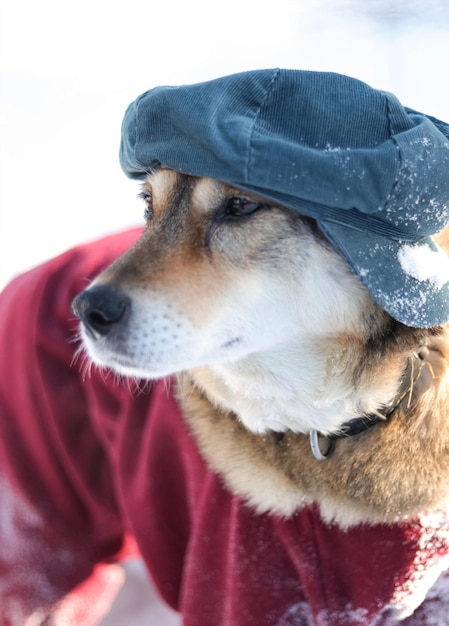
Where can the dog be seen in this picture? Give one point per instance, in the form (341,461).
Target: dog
(277,346)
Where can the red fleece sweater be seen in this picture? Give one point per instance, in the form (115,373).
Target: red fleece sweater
(85,460)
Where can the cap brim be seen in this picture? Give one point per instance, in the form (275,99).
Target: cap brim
(415,298)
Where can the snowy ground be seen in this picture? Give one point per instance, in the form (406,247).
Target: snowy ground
(69,69)
(117,595)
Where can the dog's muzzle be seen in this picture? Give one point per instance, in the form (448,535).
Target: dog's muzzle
(101,309)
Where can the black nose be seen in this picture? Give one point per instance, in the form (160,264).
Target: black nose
(100,308)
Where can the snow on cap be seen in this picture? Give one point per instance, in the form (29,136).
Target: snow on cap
(373,173)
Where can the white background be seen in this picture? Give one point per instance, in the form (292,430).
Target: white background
(69,68)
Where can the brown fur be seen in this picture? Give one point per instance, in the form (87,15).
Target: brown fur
(391,471)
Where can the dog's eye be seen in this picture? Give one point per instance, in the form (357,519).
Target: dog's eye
(239,207)
(148,199)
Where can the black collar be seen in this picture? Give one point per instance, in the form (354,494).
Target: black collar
(357,425)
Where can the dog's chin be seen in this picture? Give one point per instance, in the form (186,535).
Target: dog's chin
(104,354)
(130,370)
(123,366)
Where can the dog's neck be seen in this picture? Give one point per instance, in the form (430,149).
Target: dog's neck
(375,476)
(303,386)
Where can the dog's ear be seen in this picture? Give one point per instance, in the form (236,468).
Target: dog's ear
(442,239)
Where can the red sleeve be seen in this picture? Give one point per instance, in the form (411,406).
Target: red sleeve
(58,510)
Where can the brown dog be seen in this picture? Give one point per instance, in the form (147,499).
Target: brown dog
(275,339)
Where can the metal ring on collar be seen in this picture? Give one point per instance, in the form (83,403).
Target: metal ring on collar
(314,444)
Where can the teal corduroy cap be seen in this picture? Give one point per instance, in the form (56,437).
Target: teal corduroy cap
(373,173)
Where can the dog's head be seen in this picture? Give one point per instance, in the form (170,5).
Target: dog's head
(218,275)
(253,300)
